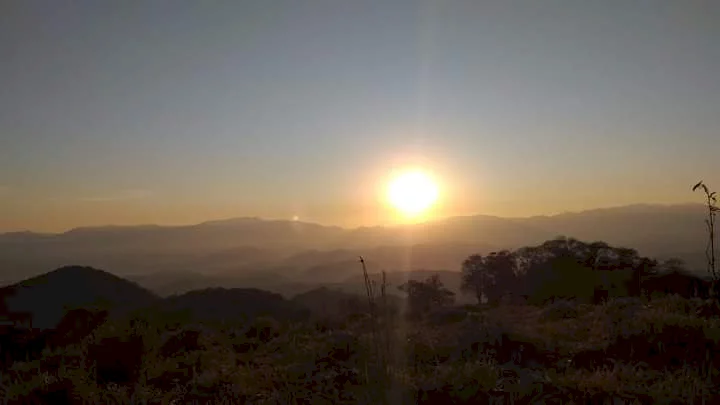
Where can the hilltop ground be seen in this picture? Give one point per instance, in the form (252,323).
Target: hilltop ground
(565,322)
(634,350)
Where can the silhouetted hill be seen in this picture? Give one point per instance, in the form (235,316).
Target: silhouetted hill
(170,283)
(327,302)
(233,304)
(48,295)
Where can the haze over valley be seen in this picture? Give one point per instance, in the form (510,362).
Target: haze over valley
(293,256)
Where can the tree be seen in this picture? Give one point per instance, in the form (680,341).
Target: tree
(423,296)
(490,277)
(674,278)
(560,267)
(619,271)
(563,268)
(503,266)
(673,265)
(645,269)
(476,278)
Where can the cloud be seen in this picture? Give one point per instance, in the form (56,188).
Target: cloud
(121,195)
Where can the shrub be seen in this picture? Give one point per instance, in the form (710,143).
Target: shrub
(263,329)
(77,324)
(423,296)
(117,360)
(182,342)
(562,309)
(708,309)
(446,316)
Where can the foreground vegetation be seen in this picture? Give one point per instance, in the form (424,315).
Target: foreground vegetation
(633,350)
(565,322)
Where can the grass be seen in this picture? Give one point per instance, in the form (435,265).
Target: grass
(370,361)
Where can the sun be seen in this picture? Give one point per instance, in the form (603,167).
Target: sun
(412,192)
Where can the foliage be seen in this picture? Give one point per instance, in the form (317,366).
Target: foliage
(561,309)
(559,350)
(569,269)
(423,296)
(489,277)
(652,351)
(712,210)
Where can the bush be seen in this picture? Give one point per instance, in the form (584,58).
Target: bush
(117,360)
(707,309)
(562,309)
(674,304)
(263,329)
(625,348)
(182,342)
(424,296)
(446,316)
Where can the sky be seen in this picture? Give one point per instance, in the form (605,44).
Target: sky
(177,112)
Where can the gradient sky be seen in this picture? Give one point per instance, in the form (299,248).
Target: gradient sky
(173,112)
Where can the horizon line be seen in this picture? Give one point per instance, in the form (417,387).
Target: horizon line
(328,225)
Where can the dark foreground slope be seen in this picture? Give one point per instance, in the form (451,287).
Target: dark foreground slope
(626,351)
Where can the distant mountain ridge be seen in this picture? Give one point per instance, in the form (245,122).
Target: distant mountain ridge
(244,221)
(305,251)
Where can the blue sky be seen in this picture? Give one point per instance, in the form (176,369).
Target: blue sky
(182,111)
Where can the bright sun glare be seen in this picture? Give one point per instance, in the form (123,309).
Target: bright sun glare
(412,192)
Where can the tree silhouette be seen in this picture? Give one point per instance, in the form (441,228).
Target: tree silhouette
(643,271)
(423,296)
(557,268)
(490,277)
(673,277)
(476,278)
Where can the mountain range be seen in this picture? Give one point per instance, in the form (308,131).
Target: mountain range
(293,256)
